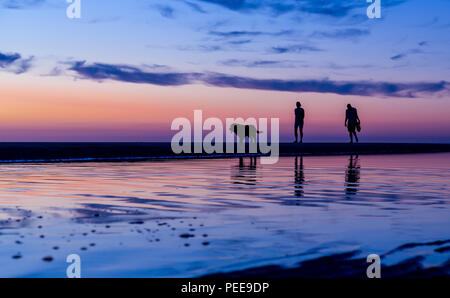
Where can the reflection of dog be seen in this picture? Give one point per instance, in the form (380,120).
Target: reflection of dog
(243,131)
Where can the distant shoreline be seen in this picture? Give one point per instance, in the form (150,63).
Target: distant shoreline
(117,152)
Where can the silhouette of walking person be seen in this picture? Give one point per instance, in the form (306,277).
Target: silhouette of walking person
(299,120)
(352,122)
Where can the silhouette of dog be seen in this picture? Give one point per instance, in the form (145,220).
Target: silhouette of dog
(243,131)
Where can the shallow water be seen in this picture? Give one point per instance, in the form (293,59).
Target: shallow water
(185,218)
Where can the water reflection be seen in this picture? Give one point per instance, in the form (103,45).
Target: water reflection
(299,177)
(176,217)
(245,174)
(352,175)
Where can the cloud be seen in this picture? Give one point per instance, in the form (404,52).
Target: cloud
(8,59)
(20,4)
(195,7)
(295,49)
(341,33)
(103,20)
(361,88)
(236,5)
(258,63)
(404,55)
(15,63)
(234,34)
(132,74)
(236,38)
(281,8)
(329,8)
(317,7)
(201,48)
(398,57)
(24,65)
(240,42)
(55,72)
(165,11)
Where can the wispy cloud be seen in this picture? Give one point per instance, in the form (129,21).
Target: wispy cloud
(201,48)
(165,11)
(404,55)
(318,7)
(13,62)
(195,7)
(103,20)
(258,63)
(234,34)
(236,5)
(299,48)
(351,33)
(398,57)
(361,88)
(132,74)
(240,42)
(20,4)
(329,8)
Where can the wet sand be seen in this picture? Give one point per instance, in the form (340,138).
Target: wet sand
(316,216)
(349,265)
(79,152)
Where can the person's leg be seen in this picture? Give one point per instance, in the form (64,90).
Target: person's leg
(351,136)
(296,133)
(301,133)
(356,137)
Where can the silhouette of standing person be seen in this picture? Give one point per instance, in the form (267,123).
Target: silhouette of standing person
(351,122)
(299,120)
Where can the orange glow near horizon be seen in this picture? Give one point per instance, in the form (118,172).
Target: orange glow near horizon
(126,111)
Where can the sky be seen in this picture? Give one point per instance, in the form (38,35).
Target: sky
(127,68)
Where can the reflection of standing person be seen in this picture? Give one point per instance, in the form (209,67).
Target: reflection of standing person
(352,122)
(352,176)
(299,177)
(299,120)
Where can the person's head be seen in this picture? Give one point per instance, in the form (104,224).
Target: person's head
(349,106)
(298,104)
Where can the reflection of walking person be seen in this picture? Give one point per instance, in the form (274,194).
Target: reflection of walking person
(299,119)
(352,175)
(352,122)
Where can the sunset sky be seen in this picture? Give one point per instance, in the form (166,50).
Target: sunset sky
(127,68)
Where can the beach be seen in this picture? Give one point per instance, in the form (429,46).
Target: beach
(88,152)
(270,142)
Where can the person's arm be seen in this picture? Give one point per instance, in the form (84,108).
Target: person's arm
(357,117)
(346,118)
